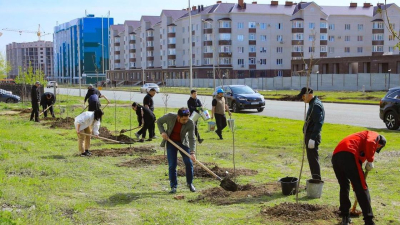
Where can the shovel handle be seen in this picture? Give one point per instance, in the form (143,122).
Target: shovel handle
(131,129)
(84,109)
(103,138)
(353,209)
(198,162)
(105,106)
(45,110)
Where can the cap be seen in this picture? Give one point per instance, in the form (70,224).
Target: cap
(304,91)
(90,86)
(37,82)
(152,89)
(220,91)
(382,142)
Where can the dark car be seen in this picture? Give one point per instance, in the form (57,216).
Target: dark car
(8,97)
(240,97)
(390,109)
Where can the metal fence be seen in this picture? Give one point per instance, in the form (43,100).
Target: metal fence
(23,91)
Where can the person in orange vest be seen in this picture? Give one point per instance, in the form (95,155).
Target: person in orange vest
(347,160)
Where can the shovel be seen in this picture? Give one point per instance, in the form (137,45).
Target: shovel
(84,109)
(354,212)
(45,110)
(226,183)
(124,130)
(106,139)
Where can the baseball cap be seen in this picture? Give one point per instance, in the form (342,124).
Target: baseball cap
(90,86)
(382,141)
(220,91)
(37,82)
(304,91)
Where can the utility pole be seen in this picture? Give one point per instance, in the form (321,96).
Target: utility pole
(190,48)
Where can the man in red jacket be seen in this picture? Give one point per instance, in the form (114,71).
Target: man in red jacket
(347,159)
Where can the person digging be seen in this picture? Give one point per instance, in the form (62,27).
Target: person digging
(146,119)
(219,107)
(194,104)
(87,122)
(347,160)
(179,129)
(48,100)
(93,91)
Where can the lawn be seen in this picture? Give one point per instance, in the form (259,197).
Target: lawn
(43,181)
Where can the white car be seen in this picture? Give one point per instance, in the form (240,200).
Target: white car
(51,84)
(146,88)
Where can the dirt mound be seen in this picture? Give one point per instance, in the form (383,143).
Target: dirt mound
(23,110)
(289,98)
(221,172)
(300,213)
(145,161)
(104,132)
(65,123)
(245,193)
(115,152)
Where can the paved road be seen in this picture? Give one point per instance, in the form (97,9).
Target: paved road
(349,114)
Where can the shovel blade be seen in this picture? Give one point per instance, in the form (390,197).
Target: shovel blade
(228,185)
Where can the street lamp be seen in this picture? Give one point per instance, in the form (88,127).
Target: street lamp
(389,78)
(213,47)
(317,79)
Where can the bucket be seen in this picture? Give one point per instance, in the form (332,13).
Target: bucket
(289,185)
(211,126)
(314,188)
(195,116)
(231,124)
(205,114)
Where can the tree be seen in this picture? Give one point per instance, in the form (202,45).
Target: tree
(390,26)
(5,67)
(29,77)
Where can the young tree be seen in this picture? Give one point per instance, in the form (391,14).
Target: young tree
(5,67)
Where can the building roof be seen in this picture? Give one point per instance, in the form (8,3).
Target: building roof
(265,9)
(175,14)
(133,23)
(117,27)
(217,8)
(347,11)
(152,19)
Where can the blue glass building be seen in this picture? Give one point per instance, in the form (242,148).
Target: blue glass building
(81,48)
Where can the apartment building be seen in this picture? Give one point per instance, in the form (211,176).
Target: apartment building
(81,49)
(244,40)
(38,54)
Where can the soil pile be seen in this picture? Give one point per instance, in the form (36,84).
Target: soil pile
(245,193)
(221,172)
(67,123)
(145,161)
(300,213)
(104,132)
(23,110)
(115,152)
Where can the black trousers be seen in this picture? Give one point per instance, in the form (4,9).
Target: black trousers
(148,125)
(220,120)
(348,169)
(196,131)
(313,157)
(45,105)
(35,111)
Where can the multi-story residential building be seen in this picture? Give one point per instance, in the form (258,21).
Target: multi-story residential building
(81,49)
(38,55)
(265,40)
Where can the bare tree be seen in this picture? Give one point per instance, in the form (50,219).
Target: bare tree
(165,98)
(390,26)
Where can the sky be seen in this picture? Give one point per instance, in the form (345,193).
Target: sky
(28,14)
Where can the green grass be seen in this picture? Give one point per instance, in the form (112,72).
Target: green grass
(43,182)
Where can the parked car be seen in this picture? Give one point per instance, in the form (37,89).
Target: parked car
(51,84)
(146,87)
(8,97)
(240,97)
(389,109)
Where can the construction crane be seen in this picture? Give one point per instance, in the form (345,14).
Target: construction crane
(39,33)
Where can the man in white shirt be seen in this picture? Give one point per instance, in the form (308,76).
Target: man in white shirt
(87,122)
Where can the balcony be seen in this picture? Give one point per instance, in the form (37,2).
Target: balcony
(171,56)
(117,52)
(225,30)
(252,42)
(117,44)
(171,35)
(207,31)
(132,50)
(252,30)
(171,45)
(225,42)
(193,44)
(224,54)
(297,30)
(297,54)
(132,42)
(150,48)
(252,54)
(150,58)
(208,55)
(193,32)
(132,60)
(378,31)
(117,61)
(323,30)
(150,39)
(378,42)
(323,54)
(377,53)
(252,66)
(323,42)
(207,43)
(297,42)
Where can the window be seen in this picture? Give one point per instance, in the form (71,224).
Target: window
(183,51)
(252,61)
(263,26)
(347,26)
(298,36)
(322,25)
(392,25)
(225,48)
(208,49)
(377,25)
(347,49)
(311,37)
(359,38)
(331,26)
(149,33)
(171,29)
(311,25)
(240,25)
(225,36)
(197,28)
(280,73)
(297,24)
(360,27)
(298,48)
(240,49)
(207,37)
(311,49)
(225,24)
(377,48)
(377,37)
(331,49)
(183,29)
(172,40)
(323,37)
(346,38)
(183,40)
(252,24)
(322,48)
(252,37)
(263,37)
(391,38)
(279,61)
(225,61)
(171,62)
(359,49)
(391,49)
(150,53)
(279,26)
(207,25)
(331,38)
(240,37)
(279,38)
(240,61)
(263,61)
(252,48)
(279,49)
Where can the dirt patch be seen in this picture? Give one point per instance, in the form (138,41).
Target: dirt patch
(23,110)
(221,172)
(48,119)
(9,113)
(64,123)
(361,98)
(289,98)
(104,132)
(299,213)
(390,154)
(245,193)
(146,161)
(115,152)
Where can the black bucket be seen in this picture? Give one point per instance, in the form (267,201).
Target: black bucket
(289,185)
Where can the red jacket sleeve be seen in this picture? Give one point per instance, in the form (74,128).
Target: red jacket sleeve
(371,146)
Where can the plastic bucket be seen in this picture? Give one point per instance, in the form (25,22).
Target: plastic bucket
(205,115)
(314,188)
(195,116)
(289,185)
(231,124)
(211,126)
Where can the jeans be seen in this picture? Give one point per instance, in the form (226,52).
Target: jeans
(172,155)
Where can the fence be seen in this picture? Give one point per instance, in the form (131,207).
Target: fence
(323,82)
(22,91)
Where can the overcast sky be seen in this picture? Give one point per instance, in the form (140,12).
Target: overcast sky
(27,14)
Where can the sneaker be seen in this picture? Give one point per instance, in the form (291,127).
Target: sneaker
(191,187)
(201,141)
(137,135)
(88,153)
(84,154)
(141,140)
(149,139)
(173,190)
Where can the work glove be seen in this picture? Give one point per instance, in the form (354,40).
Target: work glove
(311,144)
(369,166)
